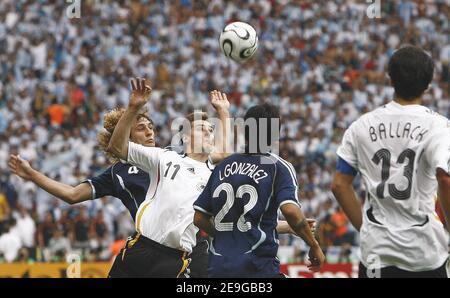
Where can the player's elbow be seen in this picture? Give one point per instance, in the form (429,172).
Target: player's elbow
(70,202)
(336,186)
(115,150)
(69,198)
(198,219)
(77,198)
(72,197)
(111,149)
(202,221)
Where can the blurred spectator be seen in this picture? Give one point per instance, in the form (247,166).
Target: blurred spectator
(326,232)
(56,113)
(4,208)
(343,236)
(100,236)
(342,233)
(81,229)
(66,223)
(117,245)
(58,246)
(9,242)
(25,228)
(45,230)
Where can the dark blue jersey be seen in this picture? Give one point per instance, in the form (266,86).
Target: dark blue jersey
(123,181)
(244,194)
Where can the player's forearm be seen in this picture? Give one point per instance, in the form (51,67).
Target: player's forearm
(204,222)
(118,145)
(346,197)
(222,136)
(299,224)
(302,229)
(284,228)
(224,131)
(444,196)
(445,204)
(67,193)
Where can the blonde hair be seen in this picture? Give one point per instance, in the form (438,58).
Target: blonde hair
(110,121)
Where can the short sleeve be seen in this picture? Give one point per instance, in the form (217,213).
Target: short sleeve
(437,150)
(102,185)
(286,185)
(347,149)
(145,158)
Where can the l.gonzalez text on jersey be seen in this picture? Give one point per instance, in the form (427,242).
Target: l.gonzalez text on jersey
(247,169)
(246,287)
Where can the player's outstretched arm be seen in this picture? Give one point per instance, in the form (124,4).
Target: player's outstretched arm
(221,104)
(204,222)
(140,94)
(342,188)
(299,224)
(67,193)
(444,194)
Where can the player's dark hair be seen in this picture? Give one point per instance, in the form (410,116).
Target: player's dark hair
(264,114)
(411,71)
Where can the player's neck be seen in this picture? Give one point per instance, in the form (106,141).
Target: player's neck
(404,102)
(202,157)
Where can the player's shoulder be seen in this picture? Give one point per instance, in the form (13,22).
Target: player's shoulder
(171,148)
(364,120)
(231,157)
(438,119)
(172,153)
(278,159)
(367,116)
(123,168)
(283,166)
(240,157)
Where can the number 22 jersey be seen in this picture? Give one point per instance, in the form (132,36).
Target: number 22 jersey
(244,194)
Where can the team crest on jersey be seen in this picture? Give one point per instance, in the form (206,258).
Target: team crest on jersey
(133,170)
(192,170)
(201,186)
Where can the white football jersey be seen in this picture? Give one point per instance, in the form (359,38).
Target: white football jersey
(397,150)
(166,216)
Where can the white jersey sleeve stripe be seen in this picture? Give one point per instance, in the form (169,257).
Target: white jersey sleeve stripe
(292,173)
(294,179)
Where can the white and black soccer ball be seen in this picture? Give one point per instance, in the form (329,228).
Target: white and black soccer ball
(238,41)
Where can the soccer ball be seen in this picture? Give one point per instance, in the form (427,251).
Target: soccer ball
(238,41)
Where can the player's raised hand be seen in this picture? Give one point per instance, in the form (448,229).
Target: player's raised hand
(316,258)
(219,101)
(140,93)
(20,167)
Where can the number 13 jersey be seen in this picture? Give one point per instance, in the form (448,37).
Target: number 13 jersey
(397,150)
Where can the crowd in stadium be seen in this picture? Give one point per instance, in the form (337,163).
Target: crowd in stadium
(322,62)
